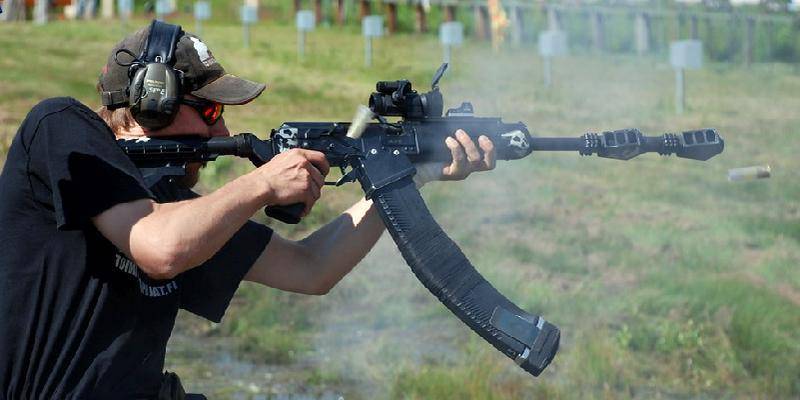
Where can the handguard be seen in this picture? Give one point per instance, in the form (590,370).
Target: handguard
(443,268)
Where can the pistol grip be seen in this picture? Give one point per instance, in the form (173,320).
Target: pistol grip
(287,214)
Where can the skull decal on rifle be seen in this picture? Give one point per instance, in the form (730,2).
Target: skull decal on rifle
(517,140)
(286,138)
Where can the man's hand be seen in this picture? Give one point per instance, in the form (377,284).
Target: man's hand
(295,176)
(467,158)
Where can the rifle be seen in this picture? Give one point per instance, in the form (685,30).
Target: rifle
(381,155)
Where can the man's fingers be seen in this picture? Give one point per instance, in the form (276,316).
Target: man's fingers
(489,154)
(456,168)
(473,155)
(316,176)
(455,149)
(318,159)
(315,192)
(312,196)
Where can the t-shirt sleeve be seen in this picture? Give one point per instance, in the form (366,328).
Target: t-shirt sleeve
(208,289)
(75,165)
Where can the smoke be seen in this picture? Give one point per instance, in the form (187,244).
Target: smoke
(380,319)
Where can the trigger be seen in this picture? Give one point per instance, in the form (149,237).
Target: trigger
(346,177)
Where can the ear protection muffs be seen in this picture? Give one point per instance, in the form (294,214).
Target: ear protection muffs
(154,89)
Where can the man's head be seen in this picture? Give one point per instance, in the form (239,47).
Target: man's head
(202,88)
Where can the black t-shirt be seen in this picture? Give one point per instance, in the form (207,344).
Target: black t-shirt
(77,318)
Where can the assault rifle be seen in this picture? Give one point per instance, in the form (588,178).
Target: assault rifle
(381,156)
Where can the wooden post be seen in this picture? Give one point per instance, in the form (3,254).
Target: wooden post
(297,6)
(8,10)
(391,10)
(680,91)
(749,40)
(108,9)
(90,10)
(733,41)
(481,22)
(553,19)
(642,32)
(41,11)
(318,15)
(364,9)
(449,12)
(339,12)
(368,51)
(663,35)
(422,19)
(769,31)
(13,10)
(548,71)
(598,34)
(517,25)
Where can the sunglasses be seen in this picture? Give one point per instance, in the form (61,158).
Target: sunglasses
(210,111)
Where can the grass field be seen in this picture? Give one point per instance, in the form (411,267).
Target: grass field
(666,280)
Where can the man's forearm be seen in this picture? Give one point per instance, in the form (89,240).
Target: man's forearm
(341,244)
(192,231)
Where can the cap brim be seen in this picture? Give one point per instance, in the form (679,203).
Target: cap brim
(230,89)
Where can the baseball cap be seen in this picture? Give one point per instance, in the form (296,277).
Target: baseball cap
(204,77)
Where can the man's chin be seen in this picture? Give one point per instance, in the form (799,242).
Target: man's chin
(187,181)
(192,176)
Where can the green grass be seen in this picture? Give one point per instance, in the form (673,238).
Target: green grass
(666,279)
(273,325)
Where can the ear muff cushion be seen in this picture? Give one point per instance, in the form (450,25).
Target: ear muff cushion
(155,87)
(154,97)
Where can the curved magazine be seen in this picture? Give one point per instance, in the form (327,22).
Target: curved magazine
(444,269)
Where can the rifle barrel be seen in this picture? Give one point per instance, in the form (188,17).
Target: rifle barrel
(625,144)
(556,144)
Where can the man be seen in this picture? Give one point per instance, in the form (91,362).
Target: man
(94,264)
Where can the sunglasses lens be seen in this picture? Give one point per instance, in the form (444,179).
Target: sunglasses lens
(212,112)
(209,110)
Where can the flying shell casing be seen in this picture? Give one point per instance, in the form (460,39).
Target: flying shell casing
(749,173)
(360,121)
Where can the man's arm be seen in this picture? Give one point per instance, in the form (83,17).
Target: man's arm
(167,239)
(315,264)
